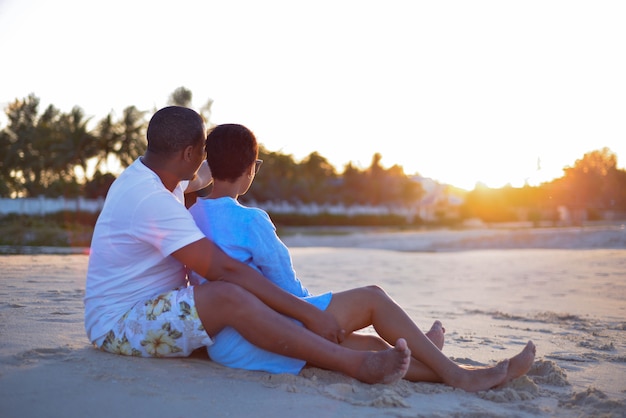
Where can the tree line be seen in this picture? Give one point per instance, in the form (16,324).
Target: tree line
(593,186)
(52,153)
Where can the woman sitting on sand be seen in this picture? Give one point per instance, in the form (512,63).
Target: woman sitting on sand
(248,235)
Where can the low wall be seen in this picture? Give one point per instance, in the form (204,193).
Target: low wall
(46,205)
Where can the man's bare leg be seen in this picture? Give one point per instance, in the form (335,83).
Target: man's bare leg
(221,304)
(417,372)
(358,308)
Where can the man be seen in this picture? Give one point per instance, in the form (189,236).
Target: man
(137,301)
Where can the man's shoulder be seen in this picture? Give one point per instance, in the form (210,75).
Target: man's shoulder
(139,181)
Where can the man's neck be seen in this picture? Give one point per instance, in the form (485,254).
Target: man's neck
(161,169)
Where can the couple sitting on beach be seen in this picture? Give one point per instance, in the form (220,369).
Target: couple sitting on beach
(138,301)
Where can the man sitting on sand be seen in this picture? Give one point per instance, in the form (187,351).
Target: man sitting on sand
(247,234)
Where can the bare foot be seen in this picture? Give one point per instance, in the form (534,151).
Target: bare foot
(475,380)
(386,366)
(521,363)
(436,334)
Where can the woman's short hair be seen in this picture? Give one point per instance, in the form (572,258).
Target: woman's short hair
(231,150)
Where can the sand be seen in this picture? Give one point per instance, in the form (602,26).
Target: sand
(493,290)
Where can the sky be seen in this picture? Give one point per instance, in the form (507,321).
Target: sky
(498,92)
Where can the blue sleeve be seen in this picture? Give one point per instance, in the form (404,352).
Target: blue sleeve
(271,256)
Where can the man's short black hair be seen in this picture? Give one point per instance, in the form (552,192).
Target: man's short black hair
(173,128)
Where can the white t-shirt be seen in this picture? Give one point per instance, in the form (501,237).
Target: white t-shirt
(140,226)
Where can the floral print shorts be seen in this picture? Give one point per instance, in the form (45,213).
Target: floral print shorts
(165,326)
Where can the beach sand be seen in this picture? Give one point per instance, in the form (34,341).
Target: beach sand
(564,289)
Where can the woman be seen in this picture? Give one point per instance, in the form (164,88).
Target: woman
(248,235)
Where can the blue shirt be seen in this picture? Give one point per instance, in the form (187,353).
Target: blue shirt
(248,235)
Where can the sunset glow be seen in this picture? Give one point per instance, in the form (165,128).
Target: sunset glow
(463,92)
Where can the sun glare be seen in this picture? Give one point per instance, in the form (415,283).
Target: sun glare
(460,92)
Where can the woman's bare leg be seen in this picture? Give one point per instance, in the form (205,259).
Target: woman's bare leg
(221,304)
(419,372)
(358,308)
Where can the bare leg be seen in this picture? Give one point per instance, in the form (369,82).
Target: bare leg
(221,304)
(358,308)
(418,371)
(436,334)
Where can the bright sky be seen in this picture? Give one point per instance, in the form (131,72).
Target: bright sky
(460,91)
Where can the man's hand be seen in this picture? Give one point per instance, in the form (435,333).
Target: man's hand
(201,179)
(205,258)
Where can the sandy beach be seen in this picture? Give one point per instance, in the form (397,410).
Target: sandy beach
(494,290)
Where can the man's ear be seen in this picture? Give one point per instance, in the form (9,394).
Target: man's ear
(188,153)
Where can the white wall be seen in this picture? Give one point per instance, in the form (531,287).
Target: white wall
(45,205)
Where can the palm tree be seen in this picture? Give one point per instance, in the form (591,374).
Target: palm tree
(353,188)
(107,138)
(206,111)
(376,174)
(181,97)
(5,177)
(315,179)
(20,162)
(78,145)
(132,136)
(50,146)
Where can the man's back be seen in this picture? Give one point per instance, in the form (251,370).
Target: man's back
(141,224)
